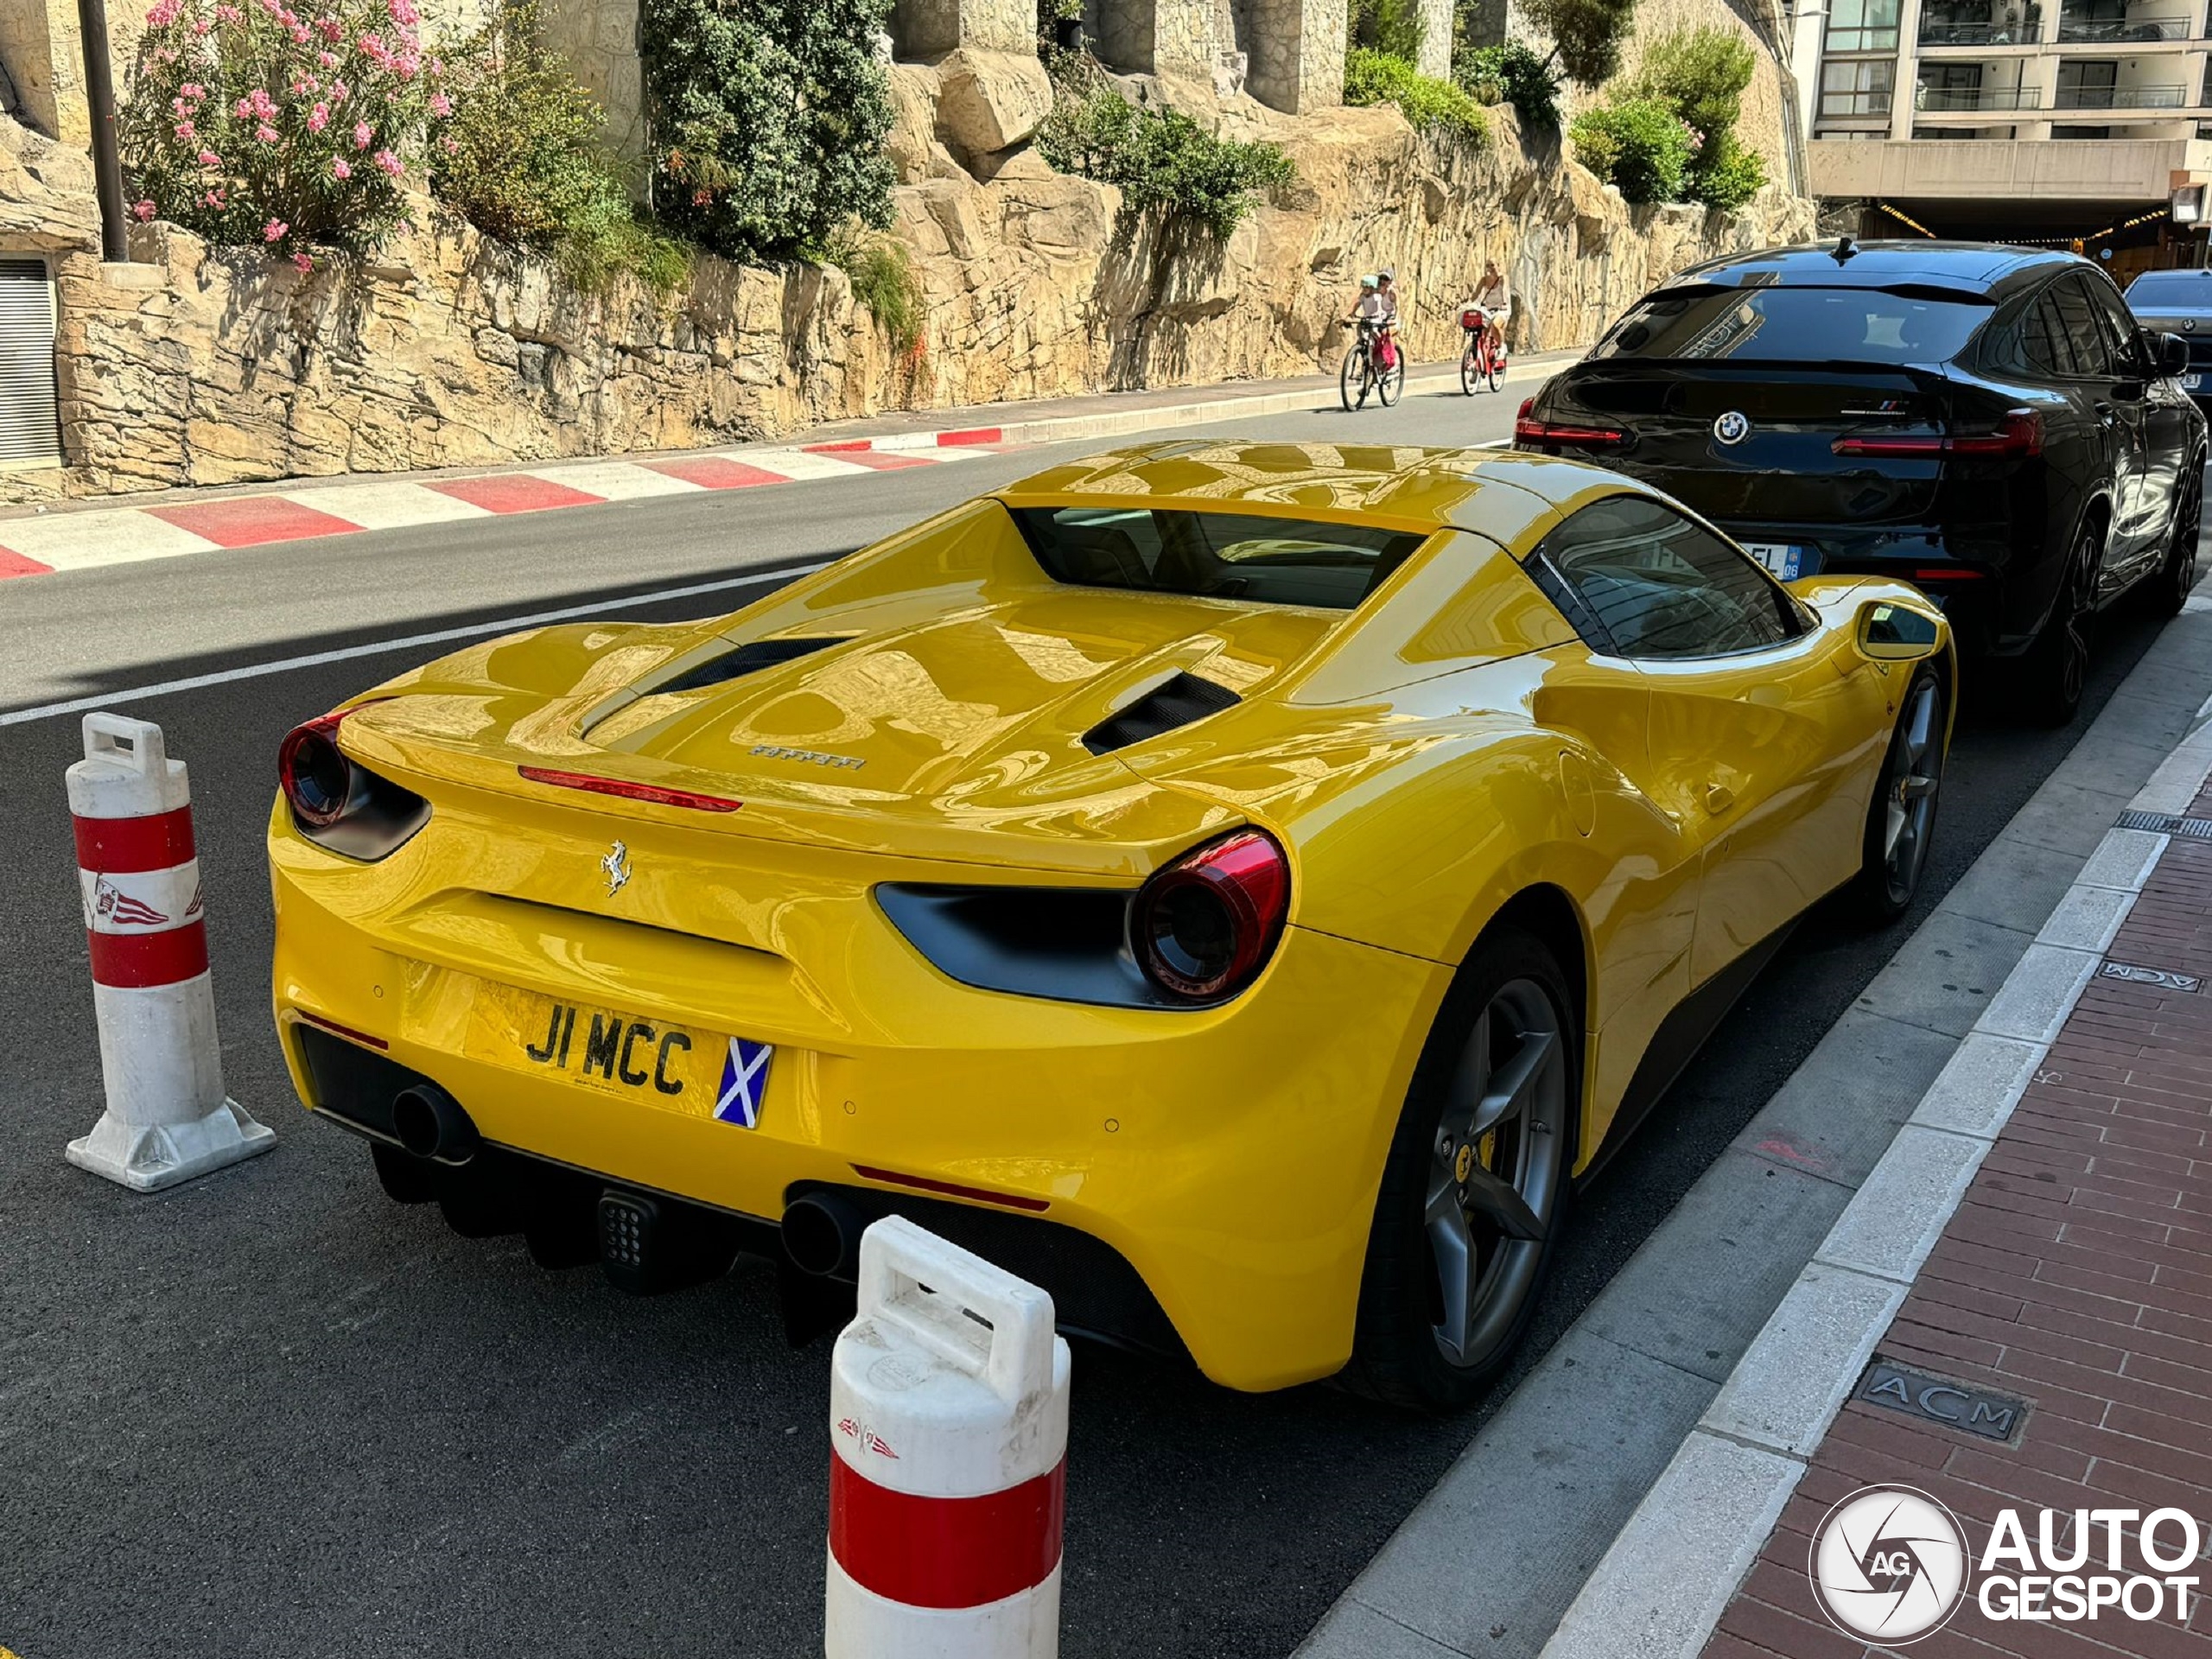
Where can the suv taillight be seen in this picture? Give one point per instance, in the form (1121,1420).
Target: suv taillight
(1528,428)
(1204,927)
(2018,435)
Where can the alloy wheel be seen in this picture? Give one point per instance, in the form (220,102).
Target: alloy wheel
(2188,524)
(1497,1163)
(2078,620)
(1915,775)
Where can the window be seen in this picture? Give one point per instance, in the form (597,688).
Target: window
(2092,349)
(2118,326)
(1857,86)
(2180,290)
(1260,559)
(1863,26)
(1638,580)
(1869,325)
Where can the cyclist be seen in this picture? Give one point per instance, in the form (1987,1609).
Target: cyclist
(1494,299)
(1378,309)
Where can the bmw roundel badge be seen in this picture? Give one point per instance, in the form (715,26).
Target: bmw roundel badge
(1734,426)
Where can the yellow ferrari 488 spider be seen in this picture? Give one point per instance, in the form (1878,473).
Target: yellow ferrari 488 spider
(1241,887)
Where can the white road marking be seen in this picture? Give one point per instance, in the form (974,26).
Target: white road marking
(797,463)
(81,541)
(393,505)
(616,481)
(475,631)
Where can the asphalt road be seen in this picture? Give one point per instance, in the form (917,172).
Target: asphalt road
(271,1414)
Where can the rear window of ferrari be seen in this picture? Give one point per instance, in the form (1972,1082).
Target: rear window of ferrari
(1771,325)
(1257,558)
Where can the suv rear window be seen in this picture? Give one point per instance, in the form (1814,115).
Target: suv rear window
(2191,289)
(1861,325)
(1254,557)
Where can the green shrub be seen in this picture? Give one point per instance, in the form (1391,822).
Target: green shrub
(1639,145)
(1432,105)
(1724,174)
(1516,74)
(522,160)
(1588,34)
(1163,161)
(770,118)
(884,280)
(1700,75)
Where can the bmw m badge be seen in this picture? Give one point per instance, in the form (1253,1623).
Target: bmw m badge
(1732,427)
(616,868)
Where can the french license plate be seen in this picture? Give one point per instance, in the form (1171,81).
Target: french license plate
(650,1062)
(2191,382)
(1786,560)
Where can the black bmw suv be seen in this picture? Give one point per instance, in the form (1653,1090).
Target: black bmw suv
(1989,422)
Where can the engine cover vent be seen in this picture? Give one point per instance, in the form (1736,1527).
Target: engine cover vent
(748,659)
(1180,701)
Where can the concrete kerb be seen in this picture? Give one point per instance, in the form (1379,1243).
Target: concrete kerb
(1663,1585)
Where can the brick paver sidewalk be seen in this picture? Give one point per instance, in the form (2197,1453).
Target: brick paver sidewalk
(2077,1275)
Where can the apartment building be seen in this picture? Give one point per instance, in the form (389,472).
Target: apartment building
(2033,120)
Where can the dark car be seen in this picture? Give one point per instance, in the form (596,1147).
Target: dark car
(1988,422)
(2180,302)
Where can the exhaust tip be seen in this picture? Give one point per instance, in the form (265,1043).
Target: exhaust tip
(822,1234)
(430,1123)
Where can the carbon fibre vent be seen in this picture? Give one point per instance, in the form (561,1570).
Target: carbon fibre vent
(748,659)
(1180,701)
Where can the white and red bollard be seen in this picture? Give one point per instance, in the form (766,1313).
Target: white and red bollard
(948,1474)
(168,1117)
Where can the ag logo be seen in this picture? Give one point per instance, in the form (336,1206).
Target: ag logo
(1732,428)
(1889,1565)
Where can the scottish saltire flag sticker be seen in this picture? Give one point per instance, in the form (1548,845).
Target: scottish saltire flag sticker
(745,1083)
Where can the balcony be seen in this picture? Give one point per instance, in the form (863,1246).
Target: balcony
(2121,98)
(2113,31)
(1965,100)
(2023,29)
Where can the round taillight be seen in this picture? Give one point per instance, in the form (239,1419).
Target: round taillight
(317,778)
(1204,927)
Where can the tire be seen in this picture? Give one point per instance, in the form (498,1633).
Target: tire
(1451,1282)
(1390,383)
(1901,818)
(2177,577)
(1494,366)
(1352,382)
(2054,669)
(1469,371)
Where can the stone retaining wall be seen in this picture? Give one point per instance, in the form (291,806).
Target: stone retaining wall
(202,366)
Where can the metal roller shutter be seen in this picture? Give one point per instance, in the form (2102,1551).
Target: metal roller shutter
(30,424)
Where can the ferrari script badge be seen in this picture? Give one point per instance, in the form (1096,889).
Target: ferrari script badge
(1732,427)
(616,868)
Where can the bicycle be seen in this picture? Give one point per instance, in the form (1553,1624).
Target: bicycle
(1362,374)
(1483,363)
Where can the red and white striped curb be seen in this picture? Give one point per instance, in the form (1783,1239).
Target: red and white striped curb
(44,545)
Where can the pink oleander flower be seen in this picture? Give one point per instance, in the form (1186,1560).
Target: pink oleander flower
(266,133)
(192,90)
(142,211)
(390,163)
(441,105)
(229,14)
(450,144)
(209,158)
(201,26)
(318,117)
(165,54)
(274,231)
(243,108)
(407,66)
(404,13)
(338,168)
(303,262)
(362,134)
(164,14)
(329,28)
(702,198)
(215,197)
(327,59)
(186,131)
(300,34)
(339,91)
(437,66)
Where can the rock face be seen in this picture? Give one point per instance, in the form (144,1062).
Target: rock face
(990,101)
(206,367)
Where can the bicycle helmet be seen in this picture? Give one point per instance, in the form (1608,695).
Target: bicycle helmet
(1367,281)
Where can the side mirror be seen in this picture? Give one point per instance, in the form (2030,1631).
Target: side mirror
(1891,633)
(2170,353)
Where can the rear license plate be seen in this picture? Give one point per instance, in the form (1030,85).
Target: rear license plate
(652,1063)
(1786,560)
(2191,382)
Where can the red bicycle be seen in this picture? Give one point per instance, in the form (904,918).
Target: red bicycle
(1482,362)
